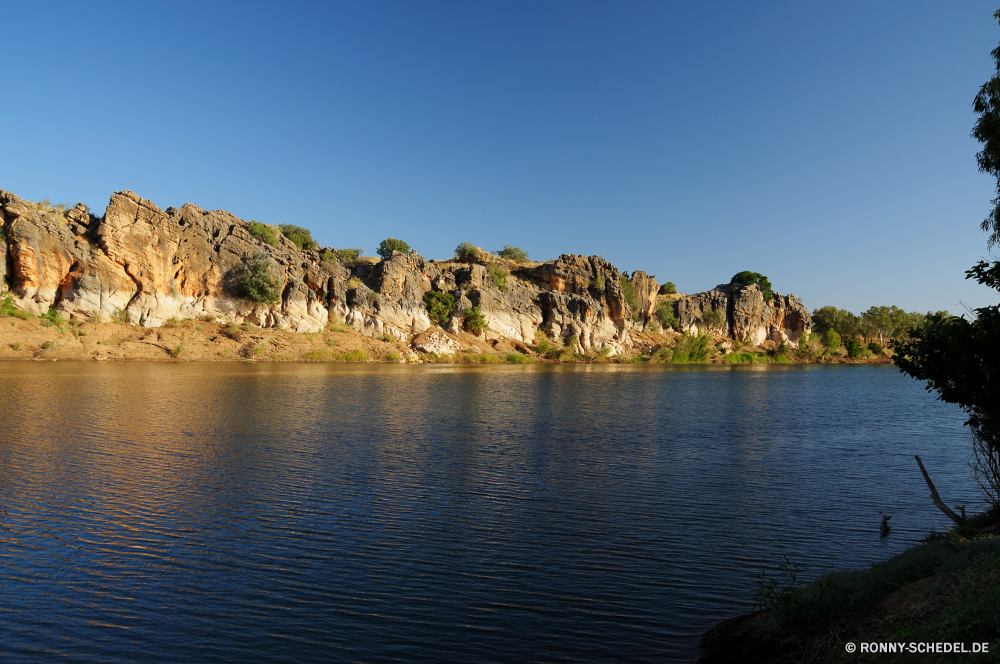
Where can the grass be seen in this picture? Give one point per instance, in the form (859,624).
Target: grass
(519,358)
(692,348)
(318,356)
(356,355)
(484,358)
(8,310)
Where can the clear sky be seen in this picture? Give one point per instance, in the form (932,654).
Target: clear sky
(825,145)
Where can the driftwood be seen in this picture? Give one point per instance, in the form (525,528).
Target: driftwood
(937,499)
(884,527)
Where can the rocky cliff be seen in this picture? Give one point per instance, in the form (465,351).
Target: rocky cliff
(144,265)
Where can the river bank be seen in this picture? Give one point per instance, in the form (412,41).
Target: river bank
(51,337)
(945,590)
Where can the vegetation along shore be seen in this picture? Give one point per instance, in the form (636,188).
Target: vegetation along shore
(188,284)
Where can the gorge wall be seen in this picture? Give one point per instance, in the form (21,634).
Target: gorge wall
(143,265)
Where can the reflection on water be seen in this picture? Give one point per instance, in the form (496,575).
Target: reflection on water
(169,512)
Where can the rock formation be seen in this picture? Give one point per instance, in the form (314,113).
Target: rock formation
(146,266)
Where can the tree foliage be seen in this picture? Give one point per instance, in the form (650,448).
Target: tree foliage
(467,252)
(747,278)
(300,237)
(715,319)
(262,233)
(391,244)
(254,280)
(439,306)
(960,358)
(668,289)
(513,253)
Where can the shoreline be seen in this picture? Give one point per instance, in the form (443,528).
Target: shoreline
(54,338)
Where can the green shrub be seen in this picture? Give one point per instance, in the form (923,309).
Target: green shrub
(262,233)
(665,314)
(597,284)
(543,345)
(628,290)
(779,353)
(485,358)
(499,276)
(854,348)
(300,237)
(389,245)
(467,252)
(345,256)
(715,319)
(317,356)
(254,281)
(519,358)
(668,288)
(831,339)
(356,355)
(747,278)
(744,357)
(52,317)
(692,348)
(474,321)
(439,306)
(513,253)
(875,348)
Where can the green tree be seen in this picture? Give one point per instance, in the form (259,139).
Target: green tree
(843,322)
(389,245)
(467,252)
(513,253)
(254,280)
(715,319)
(668,289)
(262,233)
(747,278)
(474,321)
(300,237)
(665,314)
(439,306)
(831,339)
(957,357)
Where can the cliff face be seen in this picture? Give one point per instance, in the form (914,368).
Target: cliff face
(144,265)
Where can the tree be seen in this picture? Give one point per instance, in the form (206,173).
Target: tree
(300,237)
(843,322)
(957,357)
(714,319)
(747,278)
(668,289)
(389,245)
(513,253)
(253,280)
(439,306)
(467,252)
(831,339)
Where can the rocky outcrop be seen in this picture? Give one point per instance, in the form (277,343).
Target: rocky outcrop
(145,265)
(746,316)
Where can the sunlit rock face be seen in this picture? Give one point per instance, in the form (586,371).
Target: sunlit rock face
(747,317)
(146,266)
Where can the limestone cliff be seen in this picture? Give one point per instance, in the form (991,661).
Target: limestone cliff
(145,265)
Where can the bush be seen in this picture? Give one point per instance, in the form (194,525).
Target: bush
(628,290)
(499,276)
(467,252)
(809,346)
(262,233)
(519,358)
(254,281)
(831,339)
(474,321)
(389,245)
(668,289)
(597,284)
(854,348)
(665,314)
(875,348)
(693,348)
(513,253)
(715,319)
(439,306)
(357,355)
(300,237)
(747,278)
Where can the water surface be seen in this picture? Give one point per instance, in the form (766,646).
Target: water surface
(219,512)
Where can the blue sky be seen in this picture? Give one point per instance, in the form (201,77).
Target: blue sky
(823,144)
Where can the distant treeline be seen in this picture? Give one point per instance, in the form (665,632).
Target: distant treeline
(878,324)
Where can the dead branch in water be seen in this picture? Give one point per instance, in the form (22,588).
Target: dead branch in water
(937,499)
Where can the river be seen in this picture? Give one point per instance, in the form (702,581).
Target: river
(310,512)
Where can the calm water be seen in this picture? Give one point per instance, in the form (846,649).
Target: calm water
(172,512)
